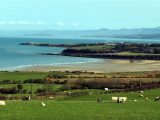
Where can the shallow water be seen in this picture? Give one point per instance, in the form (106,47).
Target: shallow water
(13,55)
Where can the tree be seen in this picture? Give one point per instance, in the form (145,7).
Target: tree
(20,87)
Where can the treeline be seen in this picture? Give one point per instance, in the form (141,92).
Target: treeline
(131,86)
(138,48)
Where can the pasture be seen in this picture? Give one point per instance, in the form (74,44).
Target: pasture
(79,104)
(85,108)
(80,110)
(20,76)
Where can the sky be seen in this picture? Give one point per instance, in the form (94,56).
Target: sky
(78,14)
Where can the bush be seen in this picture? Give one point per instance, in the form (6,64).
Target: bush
(70,87)
(34,81)
(41,90)
(61,82)
(57,75)
(9,90)
(24,91)
(3,98)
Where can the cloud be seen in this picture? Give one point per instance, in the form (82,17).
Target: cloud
(23,23)
(60,24)
(75,24)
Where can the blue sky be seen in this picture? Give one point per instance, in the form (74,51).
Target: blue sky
(78,14)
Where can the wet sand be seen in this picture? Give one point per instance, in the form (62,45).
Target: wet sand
(102,66)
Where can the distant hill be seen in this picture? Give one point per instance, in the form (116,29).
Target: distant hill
(150,33)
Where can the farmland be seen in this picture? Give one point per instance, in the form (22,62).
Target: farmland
(74,95)
(85,107)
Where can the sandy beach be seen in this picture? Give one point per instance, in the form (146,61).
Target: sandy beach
(102,66)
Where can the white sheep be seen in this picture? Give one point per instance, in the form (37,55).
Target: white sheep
(135,100)
(2,103)
(43,104)
(141,92)
(122,99)
(140,95)
(51,97)
(146,99)
(157,98)
(114,99)
(106,89)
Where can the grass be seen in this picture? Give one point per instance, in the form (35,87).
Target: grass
(135,54)
(84,108)
(95,94)
(95,47)
(80,110)
(21,75)
(34,86)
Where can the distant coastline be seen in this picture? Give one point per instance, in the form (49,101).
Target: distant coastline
(123,50)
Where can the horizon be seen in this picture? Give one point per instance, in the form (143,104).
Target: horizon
(80,29)
(78,15)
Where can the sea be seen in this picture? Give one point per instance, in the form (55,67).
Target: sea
(14,56)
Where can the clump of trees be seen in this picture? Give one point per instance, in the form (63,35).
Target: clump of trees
(12,90)
(57,74)
(115,84)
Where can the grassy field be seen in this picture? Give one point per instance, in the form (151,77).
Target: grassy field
(95,47)
(84,108)
(34,86)
(95,94)
(80,106)
(21,75)
(130,53)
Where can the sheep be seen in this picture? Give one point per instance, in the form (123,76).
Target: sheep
(2,103)
(26,98)
(114,99)
(43,104)
(51,97)
(135,100)
(122,99)
(146,99)
(140,95)
(157,98)
(141,92)
(106,89)
(99,100)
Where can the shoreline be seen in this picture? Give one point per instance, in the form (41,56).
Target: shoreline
(101,66)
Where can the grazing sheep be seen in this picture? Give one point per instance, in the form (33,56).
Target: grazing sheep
(135,100)
(106,89)
(2,103)
(43,104)
(122,99)
(51,97)
(140,95)
(146,99)
(114,99)
(157,98)
(141,92)
(26,98)
(99,100)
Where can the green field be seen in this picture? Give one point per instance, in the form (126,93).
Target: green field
(95,47)
(85,108)
(79,104)
(22,75)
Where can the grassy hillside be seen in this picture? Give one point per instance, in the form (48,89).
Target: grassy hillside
(77,109)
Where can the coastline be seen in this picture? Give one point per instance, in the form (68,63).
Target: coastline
(107,65)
